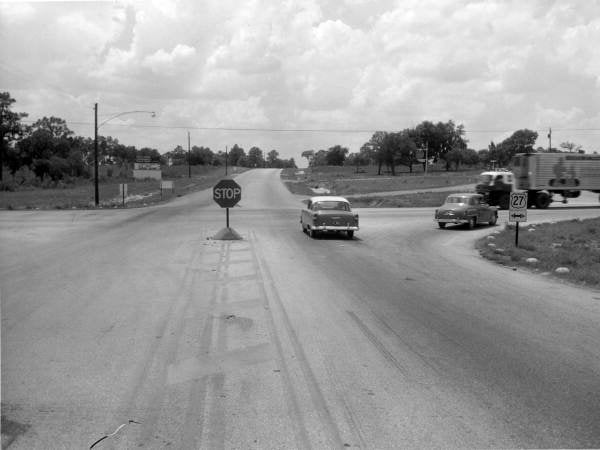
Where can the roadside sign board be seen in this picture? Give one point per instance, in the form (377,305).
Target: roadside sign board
(227,193)
(517,210)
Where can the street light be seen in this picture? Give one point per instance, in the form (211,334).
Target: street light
(96,127)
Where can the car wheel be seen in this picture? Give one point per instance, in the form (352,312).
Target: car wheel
(542,200)
(350,234)
(472,223)
(442,224)
(493,220)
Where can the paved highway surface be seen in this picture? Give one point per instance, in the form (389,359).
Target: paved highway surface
(134,324)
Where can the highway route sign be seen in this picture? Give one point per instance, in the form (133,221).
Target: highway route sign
(517,210)
(227,193)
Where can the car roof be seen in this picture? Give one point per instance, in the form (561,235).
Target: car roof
(465,194)
(328,198)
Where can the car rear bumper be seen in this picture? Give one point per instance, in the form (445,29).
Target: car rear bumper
(452,220)
(334,228)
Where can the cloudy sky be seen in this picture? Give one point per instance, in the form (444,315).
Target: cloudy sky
(306,74)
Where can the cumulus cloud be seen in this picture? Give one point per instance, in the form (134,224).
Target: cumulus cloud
(168,63)
(356,64)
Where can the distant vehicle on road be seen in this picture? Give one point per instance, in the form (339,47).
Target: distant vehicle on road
(470,209)
(542,175)
(328,214)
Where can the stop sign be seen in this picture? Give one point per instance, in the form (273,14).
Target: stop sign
(227,193)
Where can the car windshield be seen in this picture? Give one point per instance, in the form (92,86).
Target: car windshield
(331,205)
(485,178)
(457,199)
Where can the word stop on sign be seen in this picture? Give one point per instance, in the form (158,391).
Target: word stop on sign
(227,193)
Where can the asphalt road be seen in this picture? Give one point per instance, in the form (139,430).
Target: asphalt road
(135,324)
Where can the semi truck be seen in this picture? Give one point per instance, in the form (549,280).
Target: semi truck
(542,175)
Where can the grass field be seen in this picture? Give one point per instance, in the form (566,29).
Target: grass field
(573,245)
(345,181)
(412,200)
(140,192)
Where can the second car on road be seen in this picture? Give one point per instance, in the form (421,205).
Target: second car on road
(469,209)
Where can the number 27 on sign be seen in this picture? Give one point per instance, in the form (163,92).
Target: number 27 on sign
(518,200)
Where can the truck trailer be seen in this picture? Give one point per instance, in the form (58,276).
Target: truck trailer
(542,175)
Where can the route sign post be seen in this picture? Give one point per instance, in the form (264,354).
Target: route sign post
(227,193)
(123,191)
(517,211)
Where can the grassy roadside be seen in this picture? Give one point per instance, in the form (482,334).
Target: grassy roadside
(140,192)
(567,250)
(345,181)
(413,200)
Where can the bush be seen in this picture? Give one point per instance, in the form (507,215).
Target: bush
(7,186)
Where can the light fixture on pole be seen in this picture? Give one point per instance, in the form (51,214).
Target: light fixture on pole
(96,127)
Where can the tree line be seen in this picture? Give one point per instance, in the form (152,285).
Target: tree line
(430,143)
(52,152)
(236,156)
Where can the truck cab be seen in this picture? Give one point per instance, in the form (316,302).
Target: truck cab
(496,186)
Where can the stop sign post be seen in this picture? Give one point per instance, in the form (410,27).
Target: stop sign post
(227,193)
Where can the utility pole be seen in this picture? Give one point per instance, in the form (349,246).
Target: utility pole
(96,191)
(226,158)
(189,158)
(549,139)
(426,156)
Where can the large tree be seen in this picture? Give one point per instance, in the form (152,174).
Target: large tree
(255,157)
(398,148)
(439,138)
(336,155)
(10,130)
(308,154)
(374,147)
(202,155)
(47,149)
(521,141)
(273,158)
(235,154)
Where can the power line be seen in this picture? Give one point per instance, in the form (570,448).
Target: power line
(299,130)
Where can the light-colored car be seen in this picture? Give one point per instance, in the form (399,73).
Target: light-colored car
(470,209)
(328,214)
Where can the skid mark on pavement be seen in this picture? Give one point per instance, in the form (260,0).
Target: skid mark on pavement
(377,343)
(226,337)
(230,361)
(328,434)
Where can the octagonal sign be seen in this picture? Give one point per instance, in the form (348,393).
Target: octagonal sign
(227,193)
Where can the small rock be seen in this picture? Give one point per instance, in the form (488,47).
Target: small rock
(491,244)
(562,270)
(514,268)
(491,237)
(530,229)
(499,250)
(555,245)
(532,260)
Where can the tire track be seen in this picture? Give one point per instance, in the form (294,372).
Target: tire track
(151,387)
(273,301)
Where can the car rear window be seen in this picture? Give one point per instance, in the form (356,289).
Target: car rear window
(331,205)
(457,199)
